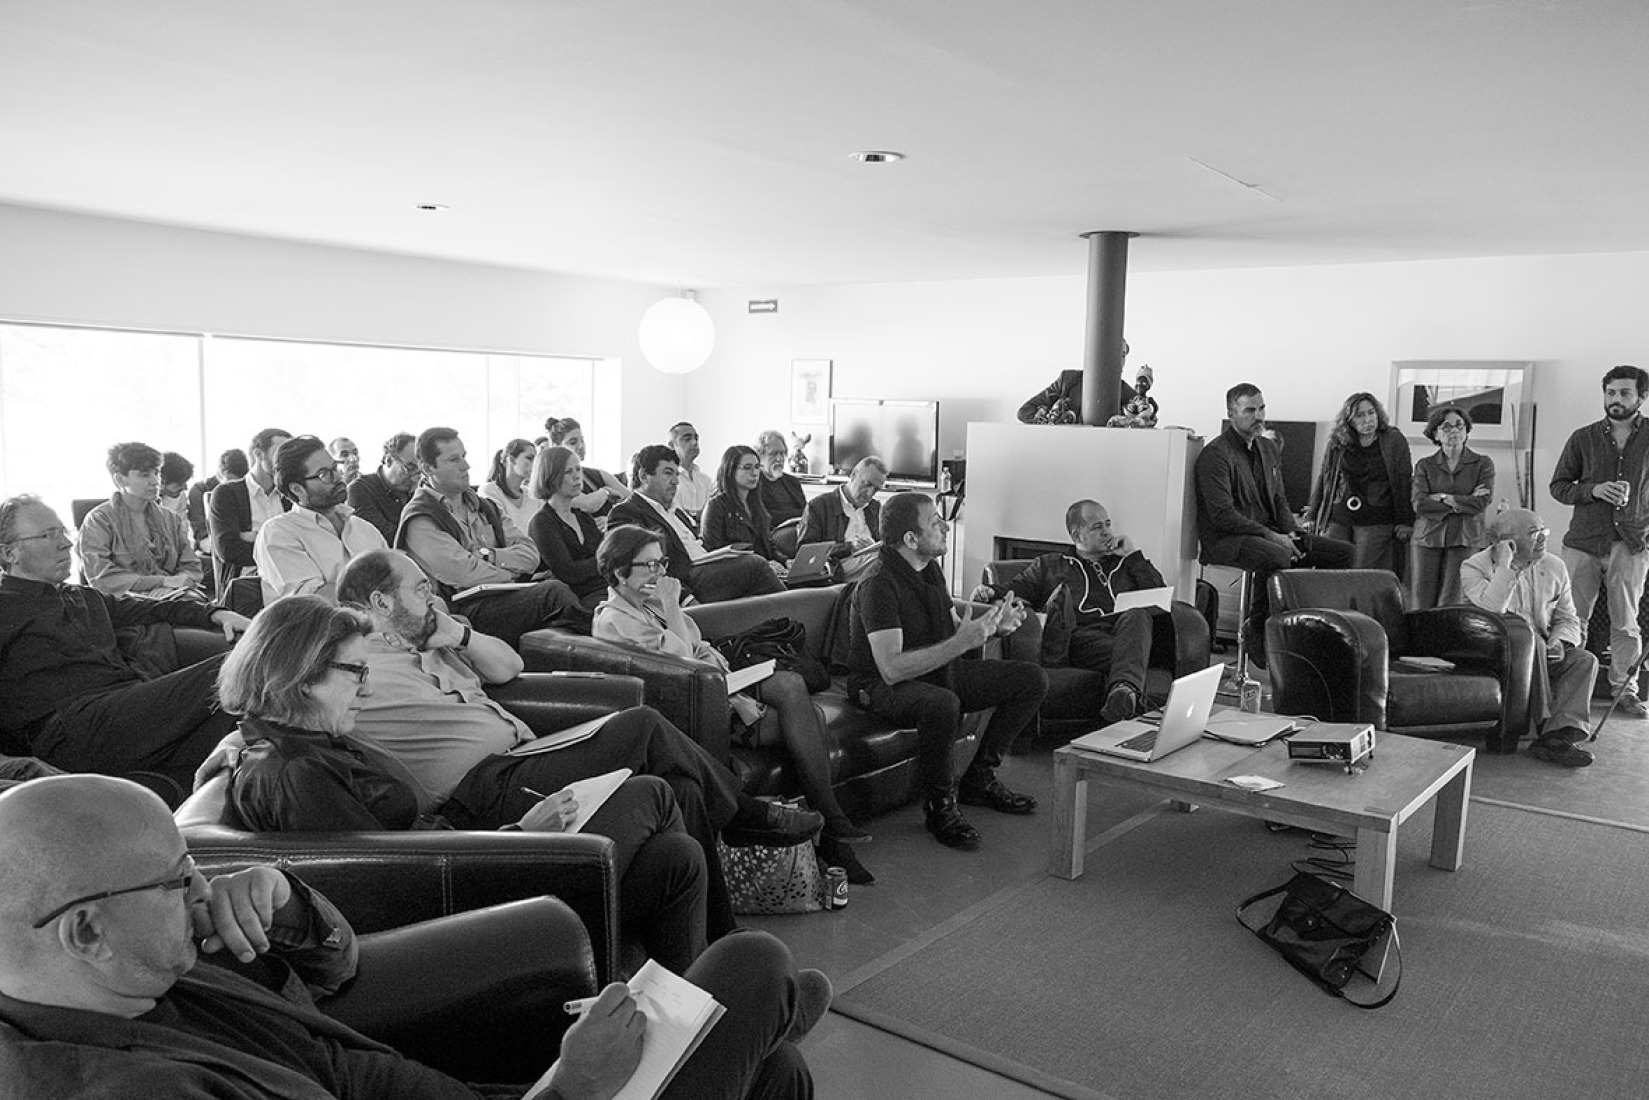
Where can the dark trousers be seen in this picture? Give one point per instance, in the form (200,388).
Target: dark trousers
(166,725)
(1262,557)
(1119,646)
(1014,688)
(745,575)
(642,740)
(508,615)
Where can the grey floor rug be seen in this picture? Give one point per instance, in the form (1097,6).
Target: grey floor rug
(1526,973)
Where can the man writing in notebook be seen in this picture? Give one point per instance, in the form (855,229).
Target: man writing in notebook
(124,971)
(1078,591)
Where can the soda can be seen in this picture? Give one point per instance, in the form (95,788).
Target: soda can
(835,888)
(1249,698)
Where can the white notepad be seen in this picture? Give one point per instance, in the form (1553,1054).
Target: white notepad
(572,735)
(1145,597)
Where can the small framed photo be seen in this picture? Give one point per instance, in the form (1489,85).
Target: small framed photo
(810,391)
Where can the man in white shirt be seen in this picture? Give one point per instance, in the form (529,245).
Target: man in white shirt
(304,550)
(694,490)
(1516,575)
(461,540)
(656,476)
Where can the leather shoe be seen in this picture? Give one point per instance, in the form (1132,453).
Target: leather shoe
(1121,704)
(784,827)
(984,789)
(837,854)
(948,826)
(1628,704)
(1560,752)
(1568,735)
(813,996)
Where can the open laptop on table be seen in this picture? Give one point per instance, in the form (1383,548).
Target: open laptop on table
(812,562)
(1184,717)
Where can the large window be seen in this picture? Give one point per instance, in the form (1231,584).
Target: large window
(68,394)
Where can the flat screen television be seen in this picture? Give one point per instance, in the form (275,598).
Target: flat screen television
(904,434)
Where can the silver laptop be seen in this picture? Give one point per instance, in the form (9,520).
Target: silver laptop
(1183,718)
(812,561)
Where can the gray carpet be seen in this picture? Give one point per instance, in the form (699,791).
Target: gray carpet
(1526,973)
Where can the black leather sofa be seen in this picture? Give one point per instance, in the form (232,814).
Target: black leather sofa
(872,760)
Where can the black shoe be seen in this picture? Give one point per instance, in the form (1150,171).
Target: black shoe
(984,789)
(1121,704)
(1568,735)
(948,826)
(1560,752)
(845,832)
(837,854)
(784,828)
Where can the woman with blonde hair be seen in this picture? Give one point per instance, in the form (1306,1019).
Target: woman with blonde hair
(1362,495)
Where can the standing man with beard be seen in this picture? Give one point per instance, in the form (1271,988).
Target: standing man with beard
(1601,474)
(301,552)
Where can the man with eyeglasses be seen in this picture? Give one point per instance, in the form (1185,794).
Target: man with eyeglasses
(1516,575)
(380,496)
(124,971)
(67,692)
(302,551)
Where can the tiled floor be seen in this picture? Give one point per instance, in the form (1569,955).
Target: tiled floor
(922,887)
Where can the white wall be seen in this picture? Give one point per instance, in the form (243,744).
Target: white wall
(1308,336)
(68,268)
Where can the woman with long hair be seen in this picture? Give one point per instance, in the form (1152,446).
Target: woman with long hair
(601,489)
(507,482)
(1452,488)
(735,515)
(643,609)
(1362,495)
(567,538)
(297,679)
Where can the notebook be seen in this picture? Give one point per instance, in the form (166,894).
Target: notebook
(1144,597)
(812,562)
(1184,717)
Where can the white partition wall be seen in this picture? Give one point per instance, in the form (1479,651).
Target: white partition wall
(1022,477)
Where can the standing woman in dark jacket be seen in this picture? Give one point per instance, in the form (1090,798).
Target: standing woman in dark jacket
(1363,493)
(1451,490)
(735,515)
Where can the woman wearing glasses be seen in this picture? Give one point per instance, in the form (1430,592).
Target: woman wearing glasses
(1451,490)
(735,515)
(297,679)
(643,609)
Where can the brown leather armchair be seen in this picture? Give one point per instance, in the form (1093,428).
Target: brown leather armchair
(1333,634)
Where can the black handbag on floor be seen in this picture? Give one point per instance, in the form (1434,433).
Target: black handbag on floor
(1325,931)
(781,640)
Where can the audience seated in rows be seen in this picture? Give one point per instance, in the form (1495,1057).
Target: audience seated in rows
(67,693)
(850,516)
(509,482)
(348,456)
(298,678)
(462,541)
(379,497)
(301,552)
(656,476)
(239,508)
(124,971)
(695,488)
(601,489)
(132,546)
(567,536)
(736,515)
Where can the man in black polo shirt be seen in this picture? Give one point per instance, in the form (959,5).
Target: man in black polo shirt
(904,664)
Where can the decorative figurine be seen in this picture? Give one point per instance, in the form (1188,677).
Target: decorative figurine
(1141,411)
(798,452)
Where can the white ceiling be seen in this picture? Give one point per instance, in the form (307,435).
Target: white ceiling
(706,144)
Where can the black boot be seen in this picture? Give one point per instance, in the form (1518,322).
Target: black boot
(946,822)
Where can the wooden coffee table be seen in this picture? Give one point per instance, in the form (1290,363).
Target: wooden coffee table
(1405,773)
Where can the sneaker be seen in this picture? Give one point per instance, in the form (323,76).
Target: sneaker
(1560,752)
(982,788)
(1121,704)
(813,996)
(1627,703)
(947,824)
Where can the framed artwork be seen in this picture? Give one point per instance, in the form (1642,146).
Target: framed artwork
(810,391)
(1495,394)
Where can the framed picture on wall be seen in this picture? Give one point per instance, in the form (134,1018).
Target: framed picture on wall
(1494,393)
(810,391)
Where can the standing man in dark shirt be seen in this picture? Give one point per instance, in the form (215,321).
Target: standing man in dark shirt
(904,662)
(380,496)
(1243,518)
(66,692)
(1083,629)
(1602,474)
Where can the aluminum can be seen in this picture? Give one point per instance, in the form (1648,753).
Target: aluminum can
(1249,698)
(835,888)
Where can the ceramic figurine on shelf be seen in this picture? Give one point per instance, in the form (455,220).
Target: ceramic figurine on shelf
(798,452)
(1141,411)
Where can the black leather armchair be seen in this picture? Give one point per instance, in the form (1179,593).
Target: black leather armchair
(1075,695)
(1333,634)
(388,879)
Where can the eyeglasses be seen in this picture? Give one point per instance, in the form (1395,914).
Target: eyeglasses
(360,672)
(48,533)
(175,882)
(655,567)
(1451,426)
(328,474)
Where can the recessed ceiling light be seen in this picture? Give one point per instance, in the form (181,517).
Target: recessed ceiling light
(877,156)
(431,206)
